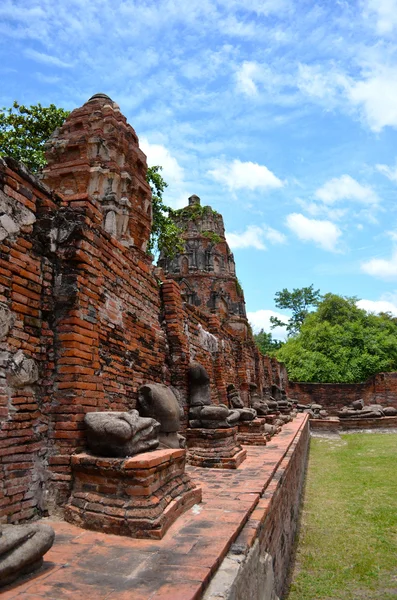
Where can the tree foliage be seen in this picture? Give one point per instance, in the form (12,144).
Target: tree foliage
(340,342)
(25,129)
(298,301)
(166,235)
(266,344)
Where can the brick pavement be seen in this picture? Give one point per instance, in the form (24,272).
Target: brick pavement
(86,565)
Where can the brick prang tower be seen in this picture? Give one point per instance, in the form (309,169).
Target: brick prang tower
(95,156)
(205,270)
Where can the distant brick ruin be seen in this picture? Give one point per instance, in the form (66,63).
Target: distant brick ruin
(205,271)
(85,318)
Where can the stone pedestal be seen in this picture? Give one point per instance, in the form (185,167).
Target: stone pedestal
(274,419)
(138,497)
(272,425)
(214,448)
(252,432)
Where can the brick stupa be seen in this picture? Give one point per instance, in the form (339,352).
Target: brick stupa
(205,270)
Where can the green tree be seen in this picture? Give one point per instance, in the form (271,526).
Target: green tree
(23,133)
(266,344)
(166,235)
(298,301)
(340,342)
(25,129)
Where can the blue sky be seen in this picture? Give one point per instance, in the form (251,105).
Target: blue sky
(280,114)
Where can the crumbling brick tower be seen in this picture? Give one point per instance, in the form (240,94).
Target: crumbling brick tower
(206,270)
(95,156)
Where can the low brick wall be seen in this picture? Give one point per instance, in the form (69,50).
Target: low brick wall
(380,389)
(339,425)
(383,423)
(258,563)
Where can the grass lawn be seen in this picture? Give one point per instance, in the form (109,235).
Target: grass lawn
(347,548)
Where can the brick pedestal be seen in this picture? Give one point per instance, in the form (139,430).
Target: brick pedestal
(138,497)
(274,419)
(214,448)
(252,433)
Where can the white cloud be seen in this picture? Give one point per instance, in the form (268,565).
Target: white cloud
(256,79)
(274,236)
(246,76)
(346,188)
(244,175)
(260,319)
(385,13)
(375,96)
(46,59)
(318,209)
(389,172)
(323,233)
(157,154)
(176,194)
(252,237)
(377,306)
(315,81)
(382,268)
(370,94)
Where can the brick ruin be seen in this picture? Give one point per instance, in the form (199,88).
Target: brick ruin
(205,271)
(379,389)
(86,319)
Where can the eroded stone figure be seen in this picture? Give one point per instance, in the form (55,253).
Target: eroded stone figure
(202,413)
(237,405)
(258,403)
(280,397)
(120,434)
(157,401)
(22,548)
(358,410)
(314,410)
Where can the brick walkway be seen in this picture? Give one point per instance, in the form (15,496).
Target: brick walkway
(85,565)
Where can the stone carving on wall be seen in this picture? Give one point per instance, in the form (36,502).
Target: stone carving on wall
(237,405)
(22,370)
(6,321)
(13,216)
(157,401)
(202,413)
(22,548)
(231,263)
(116,216)
(120,434)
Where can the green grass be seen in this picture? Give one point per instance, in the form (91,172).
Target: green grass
(347,548)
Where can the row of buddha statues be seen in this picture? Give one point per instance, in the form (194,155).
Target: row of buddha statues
(156,421)
(154,424)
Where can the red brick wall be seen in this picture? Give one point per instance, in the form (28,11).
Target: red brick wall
(84,319)
(26,352)
(86,311)
(380,389)
(98,323)
(195,335)
(108,337)
(284,498)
